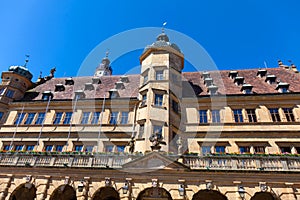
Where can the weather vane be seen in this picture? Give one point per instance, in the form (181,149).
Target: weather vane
(26,59)
(163,27)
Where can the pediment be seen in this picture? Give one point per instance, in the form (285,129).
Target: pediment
(154,161)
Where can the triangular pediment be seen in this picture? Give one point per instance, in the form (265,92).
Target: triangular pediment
(154,161)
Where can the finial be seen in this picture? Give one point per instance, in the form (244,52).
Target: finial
(163,27)
(106,53)
(26,60)
(41,73)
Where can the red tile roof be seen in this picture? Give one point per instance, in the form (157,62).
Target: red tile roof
(221,79)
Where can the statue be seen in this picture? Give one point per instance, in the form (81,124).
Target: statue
(52,71)
(131,145)
(179,143)
(156,139)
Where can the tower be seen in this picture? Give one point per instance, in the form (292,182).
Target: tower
(104,68)
(14,84)
(160,92)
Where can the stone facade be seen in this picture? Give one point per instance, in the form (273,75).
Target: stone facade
(161,134)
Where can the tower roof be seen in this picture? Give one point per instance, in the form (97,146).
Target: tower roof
(21,70)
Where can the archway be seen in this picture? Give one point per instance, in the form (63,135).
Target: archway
(106,193)
(209,194)
(154,193)
(264,196)
(26,191)
(64,192)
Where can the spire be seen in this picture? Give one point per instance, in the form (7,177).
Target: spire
(163,27)
(26,60)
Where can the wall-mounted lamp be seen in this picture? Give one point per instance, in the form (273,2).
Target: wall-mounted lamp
(181,188)
(263,186)
(67,180)
(154,182)
(241,191)
(209,185)
(81,186)
(107,181)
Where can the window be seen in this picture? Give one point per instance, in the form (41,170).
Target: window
(89,148)
(157,130)
(159,75)
(289,114)
(124,118)
(275,114)
(144,100)
(59,148)
(215,116)
(113,118)
(95,118)
(244,149)
(259,149)
(145,78)
(1,91)
(19,147)
(30,117)
(109,148)
(6,148)
(203,116)
(48,148)
(205,150)
(10,93)
(238,116)
(85,118)
(175,106)
(220,149)
(68,117)
(251,115)
(29,147)
(141,130)
(158,101)
(78,148)
(20,118)
(57,118)
(285,149)
(1,115)
(120,148)
(40,119)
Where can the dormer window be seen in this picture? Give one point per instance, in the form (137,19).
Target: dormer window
(88,86)
(113,93)
(283,87)
(247,88)
(59,88)
(79,94)
(261,73)
(233,74)
(69,81)
(270,79)
(208,81)
(96,80)
(212,90)
(47,95)
(239,80)
(120,85)
(205,75)
(124,79)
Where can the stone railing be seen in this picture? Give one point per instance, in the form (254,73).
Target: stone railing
(65,160)
(210,162)
(244,162)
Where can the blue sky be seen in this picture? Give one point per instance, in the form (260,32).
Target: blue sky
(236,34)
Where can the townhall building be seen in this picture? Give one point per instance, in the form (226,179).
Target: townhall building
(162,134)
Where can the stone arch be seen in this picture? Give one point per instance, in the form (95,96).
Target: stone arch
(154,193)
(106,193)
(264,196)
(209,194)
(64,192)
(25,191)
